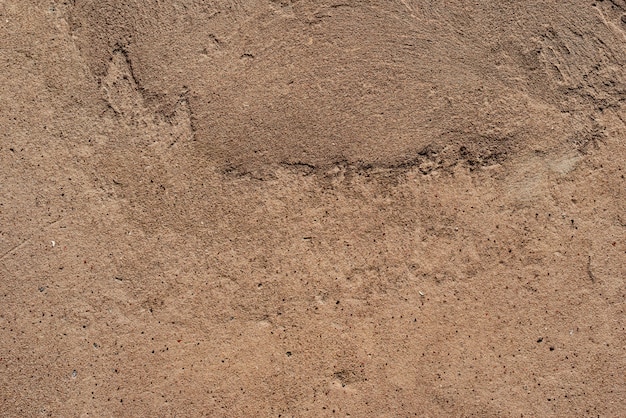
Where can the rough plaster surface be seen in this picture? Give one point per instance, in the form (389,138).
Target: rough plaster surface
(312,208)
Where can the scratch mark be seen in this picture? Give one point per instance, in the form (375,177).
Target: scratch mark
(17,247)
(620,117)
(589,272)
(26,241)
(407,5)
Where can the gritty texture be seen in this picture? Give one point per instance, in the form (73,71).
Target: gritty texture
(312,208)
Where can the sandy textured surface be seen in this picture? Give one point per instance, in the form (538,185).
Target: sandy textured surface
(312,208)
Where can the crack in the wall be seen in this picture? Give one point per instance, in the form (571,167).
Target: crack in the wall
(427,161)
(127,99)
